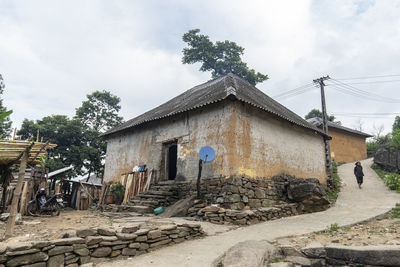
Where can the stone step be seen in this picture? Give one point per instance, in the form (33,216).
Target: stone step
(151,203)
(146,196)
(141,209)
(159,193)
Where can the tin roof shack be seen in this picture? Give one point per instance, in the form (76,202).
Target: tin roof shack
(347,145)
(253,136)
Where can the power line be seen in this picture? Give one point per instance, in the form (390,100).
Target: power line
(349,89)
(295,91)
(372,82)
(369,77)
(366,114)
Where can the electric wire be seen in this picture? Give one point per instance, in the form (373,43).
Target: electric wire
(369,77)
(295,91)
(349,89)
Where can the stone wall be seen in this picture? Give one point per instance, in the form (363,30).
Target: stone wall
(388,158)
(236,193)
(94,245)
(218,215)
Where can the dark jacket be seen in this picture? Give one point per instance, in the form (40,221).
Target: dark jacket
(358,171)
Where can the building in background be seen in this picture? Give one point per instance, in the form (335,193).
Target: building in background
(347,145)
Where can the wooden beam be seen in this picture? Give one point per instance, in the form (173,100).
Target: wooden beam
(23,198)
(17,193)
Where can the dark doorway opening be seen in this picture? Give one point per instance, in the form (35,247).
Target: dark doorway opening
(172,160)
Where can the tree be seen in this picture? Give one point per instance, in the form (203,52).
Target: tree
(396,124)
(60,130)
(5,124)
(98,114)
(220,58)
(316,113)
(100,111)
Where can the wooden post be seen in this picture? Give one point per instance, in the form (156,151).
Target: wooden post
(23,198)
(78,198)
(17,194)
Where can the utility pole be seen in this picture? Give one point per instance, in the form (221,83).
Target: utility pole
(320,81)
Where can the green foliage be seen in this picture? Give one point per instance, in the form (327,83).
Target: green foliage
(396,139)
(100,111)
(333,193)
(60,130)
(118,190)
(391,179)
(333,228)
(396,124)
(372,146)
(220,58)
(78,141)
(5,122)
(316,113)
(396,211)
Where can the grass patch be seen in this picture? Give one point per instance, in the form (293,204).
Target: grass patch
(396,211)
(274,260)
(333,228)
(334,192)
(391,179)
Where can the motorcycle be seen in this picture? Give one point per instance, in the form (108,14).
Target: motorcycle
(43,204)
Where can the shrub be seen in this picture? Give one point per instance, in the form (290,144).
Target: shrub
(118,190)
(392,180)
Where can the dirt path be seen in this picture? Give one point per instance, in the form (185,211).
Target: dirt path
(353,205)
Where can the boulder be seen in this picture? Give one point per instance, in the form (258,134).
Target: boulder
(179,209)
(22,252)
(93,240)
(288,251)
(123,236)
(249,254)
(128,252)
(130,229)
(154,234)
(60,250)
(106,231)
(82,251)
(309,192)
(314,250)
(86,232)
(56,261)
(101,252)
(27,259)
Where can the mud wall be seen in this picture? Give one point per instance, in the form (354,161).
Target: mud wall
(248,142)
(347,147)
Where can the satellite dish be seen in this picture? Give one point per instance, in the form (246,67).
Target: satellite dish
(207,154)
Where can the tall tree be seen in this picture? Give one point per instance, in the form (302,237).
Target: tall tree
(220,58)
(100,111)
(60,130)
(396,124)
(316,113)
(98,114)
(5,124)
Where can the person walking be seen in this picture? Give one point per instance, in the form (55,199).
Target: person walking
(358,172)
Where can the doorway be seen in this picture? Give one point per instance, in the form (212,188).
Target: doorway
(170,159)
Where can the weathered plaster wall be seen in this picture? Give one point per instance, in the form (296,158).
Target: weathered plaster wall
(192,130)
(347,147)
(247,142)
(264,146)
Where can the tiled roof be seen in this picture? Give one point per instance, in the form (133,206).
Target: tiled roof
(318,123)
(215,91)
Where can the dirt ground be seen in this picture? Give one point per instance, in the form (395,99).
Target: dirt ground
(69,220)
(375,232)
(47,227)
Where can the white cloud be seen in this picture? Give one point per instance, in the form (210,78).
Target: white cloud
(56,52)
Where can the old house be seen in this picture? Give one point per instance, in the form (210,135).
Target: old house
(347,145)
(253,136)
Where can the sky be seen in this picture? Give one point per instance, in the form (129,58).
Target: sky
(53,53)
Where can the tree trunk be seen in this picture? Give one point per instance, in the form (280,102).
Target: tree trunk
(17,194)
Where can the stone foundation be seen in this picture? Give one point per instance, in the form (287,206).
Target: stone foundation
(97,244)
(215,214)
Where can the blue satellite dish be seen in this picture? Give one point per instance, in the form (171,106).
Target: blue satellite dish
(207,154)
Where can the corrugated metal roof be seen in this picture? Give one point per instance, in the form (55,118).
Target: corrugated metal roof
(212,92)
(318,123)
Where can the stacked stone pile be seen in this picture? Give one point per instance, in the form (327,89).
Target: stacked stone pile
(91,245)
(219,215)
